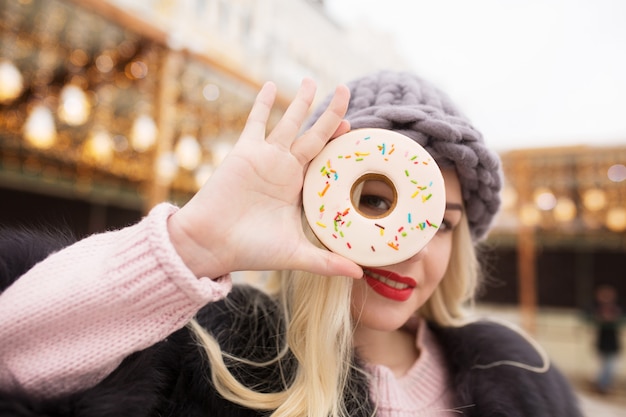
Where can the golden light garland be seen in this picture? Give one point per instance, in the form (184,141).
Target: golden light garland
(568,190)
(79,90)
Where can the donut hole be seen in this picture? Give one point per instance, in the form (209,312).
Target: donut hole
(374,196)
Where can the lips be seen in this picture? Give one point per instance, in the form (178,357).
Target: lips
(389,284)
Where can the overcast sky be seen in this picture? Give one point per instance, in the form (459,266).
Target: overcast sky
(529,73)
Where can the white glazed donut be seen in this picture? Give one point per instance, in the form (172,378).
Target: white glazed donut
(348,160)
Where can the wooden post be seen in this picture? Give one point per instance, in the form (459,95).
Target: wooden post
(166,106)
(526,271)
(526,250)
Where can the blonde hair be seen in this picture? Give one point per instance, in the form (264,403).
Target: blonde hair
(319,331)
(452,301)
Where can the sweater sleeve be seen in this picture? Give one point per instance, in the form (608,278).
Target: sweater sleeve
(70,321)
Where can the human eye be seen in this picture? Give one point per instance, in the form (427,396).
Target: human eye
(376,198)
(374,204)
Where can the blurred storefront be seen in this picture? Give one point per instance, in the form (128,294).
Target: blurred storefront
(109,107)
(100,118)
(562,230)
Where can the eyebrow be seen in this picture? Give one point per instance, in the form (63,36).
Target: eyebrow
(454,206)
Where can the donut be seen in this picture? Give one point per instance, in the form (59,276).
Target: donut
(414,181)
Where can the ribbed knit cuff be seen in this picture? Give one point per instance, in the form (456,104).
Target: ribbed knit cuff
(156,278)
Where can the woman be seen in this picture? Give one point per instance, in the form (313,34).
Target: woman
(99,327)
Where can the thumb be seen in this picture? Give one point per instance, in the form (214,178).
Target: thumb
(324,262)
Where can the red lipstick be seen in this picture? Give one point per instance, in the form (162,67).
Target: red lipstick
(389,284)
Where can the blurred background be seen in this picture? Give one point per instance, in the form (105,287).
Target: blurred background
(109,107)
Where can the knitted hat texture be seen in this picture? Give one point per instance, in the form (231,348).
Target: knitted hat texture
(407,104)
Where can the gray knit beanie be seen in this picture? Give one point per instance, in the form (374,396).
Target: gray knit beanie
(404,103)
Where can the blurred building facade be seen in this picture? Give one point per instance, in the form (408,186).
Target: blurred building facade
(107,108)
(562,228)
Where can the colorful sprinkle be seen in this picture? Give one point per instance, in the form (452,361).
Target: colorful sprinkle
(322,208)
(321,224)
(349,246)
(425,198)
(324,190)
(393,245)
(373,249)
(409,217)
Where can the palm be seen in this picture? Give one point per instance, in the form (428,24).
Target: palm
(263,186)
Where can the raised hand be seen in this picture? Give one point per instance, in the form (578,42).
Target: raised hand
(248,215)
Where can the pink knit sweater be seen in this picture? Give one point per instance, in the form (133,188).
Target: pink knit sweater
(73,318)
(424,391)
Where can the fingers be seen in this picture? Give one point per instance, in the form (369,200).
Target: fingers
(338,265)
(330,124)
(344,127)
(287,128)
(260,113)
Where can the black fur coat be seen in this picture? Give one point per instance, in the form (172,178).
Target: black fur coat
(171,377)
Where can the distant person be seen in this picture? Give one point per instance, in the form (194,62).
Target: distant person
(607,316)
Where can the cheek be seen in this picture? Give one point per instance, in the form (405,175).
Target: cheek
(438,262)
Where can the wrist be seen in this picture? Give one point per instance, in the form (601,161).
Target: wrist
(200,260)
